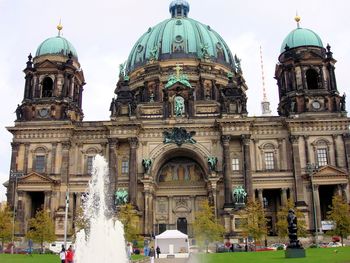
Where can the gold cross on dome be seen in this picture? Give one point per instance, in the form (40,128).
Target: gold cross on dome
(178,68)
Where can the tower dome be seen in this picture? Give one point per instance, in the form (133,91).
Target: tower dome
(179,37)
(56,45)
(300,37)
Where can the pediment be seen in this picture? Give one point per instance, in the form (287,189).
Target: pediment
(47,64)
(36,178)
(330,171)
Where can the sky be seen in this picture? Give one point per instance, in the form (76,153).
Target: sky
(104,32)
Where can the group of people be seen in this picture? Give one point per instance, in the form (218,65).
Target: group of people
(67,256)
(152,253)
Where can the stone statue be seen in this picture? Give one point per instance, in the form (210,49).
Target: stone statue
(239,195)
(147,163)
(238,64)
(153,54)
(212,162)
(342,102)
(121,197)
(205,53)
(179,106)
(112,107)
(292,230)
(19,112)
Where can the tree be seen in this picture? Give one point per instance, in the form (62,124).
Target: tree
(206,227)
(340,215)
(128,217)
(282,224)
(41,228)
(255,224)
(6,225)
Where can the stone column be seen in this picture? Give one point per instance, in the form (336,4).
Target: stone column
(150,213)
(65,162)
(12,181)
(20,213)
(47,200)
(346,139)
(170,210)
(307,157)
(64,173)
(133,171)
(280,151)
(298,180)
(113,166)
(345,192)
(25,160)
(248,180)
(53,160)
(336,154)
(225,139)
(147,219)
(318,206)
(261,197)
(284,197)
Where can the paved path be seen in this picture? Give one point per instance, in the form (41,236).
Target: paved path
(170,260)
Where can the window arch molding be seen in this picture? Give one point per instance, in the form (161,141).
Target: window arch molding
(321,148)
(40,156)
(269,155)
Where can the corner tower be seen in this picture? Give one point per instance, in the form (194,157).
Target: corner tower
(53,83)
(305,76)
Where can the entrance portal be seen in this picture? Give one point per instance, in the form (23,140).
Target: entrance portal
(182,225)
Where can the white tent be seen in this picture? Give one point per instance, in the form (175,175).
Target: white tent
(173,243)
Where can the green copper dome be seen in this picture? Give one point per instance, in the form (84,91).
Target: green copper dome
(56,45)
(301,37)
(179,37)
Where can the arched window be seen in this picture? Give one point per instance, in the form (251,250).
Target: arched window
(312,79)
(321,152)
(47,87)
(40,160)
(90,156)
(269,156)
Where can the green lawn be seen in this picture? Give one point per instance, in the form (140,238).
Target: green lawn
(320,255)
(5,258)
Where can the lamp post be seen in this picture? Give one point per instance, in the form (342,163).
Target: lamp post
(311,168)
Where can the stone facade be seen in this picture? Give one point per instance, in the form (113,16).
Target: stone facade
(53,149)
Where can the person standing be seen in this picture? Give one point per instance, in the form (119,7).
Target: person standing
(158,251)
(69,255)
(63,255)
(151,254)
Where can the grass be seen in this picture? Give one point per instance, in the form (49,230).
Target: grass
(6,258)
(320,255)
(315,255)
(36,258)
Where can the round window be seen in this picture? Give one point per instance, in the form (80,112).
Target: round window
(178,38)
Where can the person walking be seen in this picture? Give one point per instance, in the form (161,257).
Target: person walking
(158,251)
(151,254)
(63,255)
(69,255)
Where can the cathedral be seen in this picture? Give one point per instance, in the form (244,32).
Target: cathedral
(179,132)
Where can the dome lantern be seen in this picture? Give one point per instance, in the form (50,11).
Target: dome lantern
(179,8)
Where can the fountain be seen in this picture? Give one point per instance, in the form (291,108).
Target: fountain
(104,242)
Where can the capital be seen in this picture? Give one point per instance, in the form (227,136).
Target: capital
(133,142)
(225,139)
(246,139)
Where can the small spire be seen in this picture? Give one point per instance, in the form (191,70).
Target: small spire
(59,28)
(297,19)
(265,104)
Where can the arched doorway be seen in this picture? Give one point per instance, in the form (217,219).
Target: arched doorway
(182,225)
(181,187)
